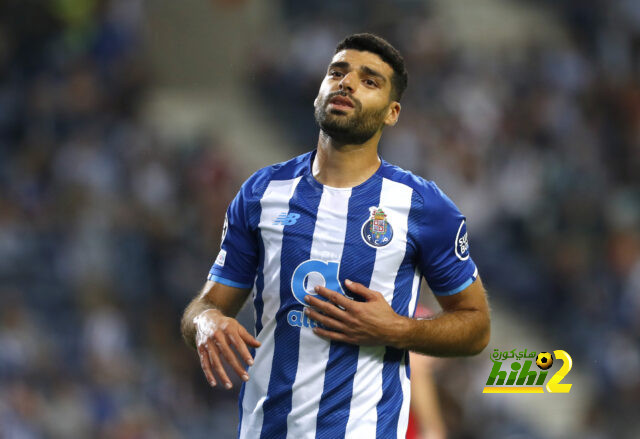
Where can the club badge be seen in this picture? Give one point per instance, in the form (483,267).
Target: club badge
(376,231)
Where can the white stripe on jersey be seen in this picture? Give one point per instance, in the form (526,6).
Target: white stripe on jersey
(403,420)
(395,199)
(328,243)
(274,201)
(415,292)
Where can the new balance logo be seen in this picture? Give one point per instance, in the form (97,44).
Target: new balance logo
(285,219)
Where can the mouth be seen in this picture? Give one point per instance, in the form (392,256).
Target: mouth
(341,103)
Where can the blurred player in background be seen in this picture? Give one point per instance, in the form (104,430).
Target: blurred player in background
(333,245)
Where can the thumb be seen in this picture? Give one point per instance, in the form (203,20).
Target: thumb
(360,289)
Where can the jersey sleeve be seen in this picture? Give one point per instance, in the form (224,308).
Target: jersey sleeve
(237,260)
(445,260)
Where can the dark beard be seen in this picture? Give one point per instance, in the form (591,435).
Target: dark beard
(349,130)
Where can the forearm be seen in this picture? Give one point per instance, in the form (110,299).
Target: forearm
(457,333)
(424,402)
(195,308)
(227,300)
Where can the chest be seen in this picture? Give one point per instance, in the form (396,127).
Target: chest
(357,233)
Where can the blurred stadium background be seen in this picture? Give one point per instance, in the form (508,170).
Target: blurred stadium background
(126,126)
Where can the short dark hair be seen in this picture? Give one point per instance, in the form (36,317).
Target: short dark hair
(389,54)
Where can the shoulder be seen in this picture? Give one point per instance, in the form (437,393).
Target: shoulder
(293,168)
(426,193)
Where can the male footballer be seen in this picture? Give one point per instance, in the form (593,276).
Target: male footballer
(333,245)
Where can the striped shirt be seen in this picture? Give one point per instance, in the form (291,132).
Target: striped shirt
(284,234)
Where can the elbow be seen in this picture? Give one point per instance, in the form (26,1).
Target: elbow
(480,345)
(483,336)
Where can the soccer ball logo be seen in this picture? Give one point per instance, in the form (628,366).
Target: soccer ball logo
(544,360)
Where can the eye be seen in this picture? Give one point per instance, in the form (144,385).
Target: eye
(335,73)
(370,82)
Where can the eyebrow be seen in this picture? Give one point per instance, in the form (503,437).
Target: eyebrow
(367,70)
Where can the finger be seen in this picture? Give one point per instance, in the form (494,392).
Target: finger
(334,297)
(206,365)
(241,347)
(248,338)
(327,308)
(217,364)
(326,320)
(333,336)
(229,355)
(360,289)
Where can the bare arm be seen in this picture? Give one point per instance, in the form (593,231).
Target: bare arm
(228,300)
(463,328)
(424,398)
(208,325)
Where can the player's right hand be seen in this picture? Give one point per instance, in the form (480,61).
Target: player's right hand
(215,334)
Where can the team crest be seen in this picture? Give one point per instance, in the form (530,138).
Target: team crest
(376,231)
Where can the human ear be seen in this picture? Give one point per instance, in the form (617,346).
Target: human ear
(393,114)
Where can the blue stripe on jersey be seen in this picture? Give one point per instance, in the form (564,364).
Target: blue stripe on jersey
(391,402)
(230,283)
(241,397)
(407,366)
(389,405)
(258,302)
(455,290)
(296,248)
(334,409)
(288,170)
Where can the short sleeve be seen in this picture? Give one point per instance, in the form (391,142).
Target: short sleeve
(236,263)
(445,260)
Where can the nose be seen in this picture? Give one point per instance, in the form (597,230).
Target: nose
(347,84)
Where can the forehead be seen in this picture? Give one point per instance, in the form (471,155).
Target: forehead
(359,58)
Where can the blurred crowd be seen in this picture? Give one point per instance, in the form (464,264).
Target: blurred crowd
(106,230)
(539,147)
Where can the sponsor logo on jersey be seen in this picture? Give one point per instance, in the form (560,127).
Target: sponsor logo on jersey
(306,277)
(376,231)
(286,219)
(225,227)
(222,256)
(312,273)
(462,242)
(299,319)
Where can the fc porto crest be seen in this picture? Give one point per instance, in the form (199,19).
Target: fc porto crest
(376,231)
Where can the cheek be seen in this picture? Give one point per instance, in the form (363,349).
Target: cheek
(374,104)
(322,92)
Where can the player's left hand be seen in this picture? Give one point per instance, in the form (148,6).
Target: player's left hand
(372,322)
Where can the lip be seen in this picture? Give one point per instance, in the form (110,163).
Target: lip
(341,101)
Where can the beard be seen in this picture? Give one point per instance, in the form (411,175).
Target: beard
(354,129)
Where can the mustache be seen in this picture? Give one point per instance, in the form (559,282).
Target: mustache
(344,94)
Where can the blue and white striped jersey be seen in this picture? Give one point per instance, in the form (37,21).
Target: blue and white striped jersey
(284,234)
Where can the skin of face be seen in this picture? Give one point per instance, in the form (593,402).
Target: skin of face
(365,79)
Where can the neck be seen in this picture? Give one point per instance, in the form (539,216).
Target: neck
(343,166)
